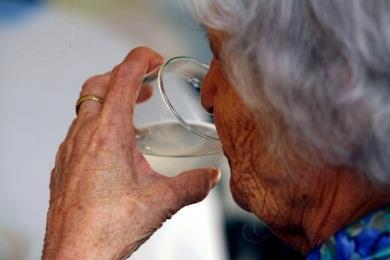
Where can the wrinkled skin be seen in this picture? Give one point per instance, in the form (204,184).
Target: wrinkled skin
(302,207)
(105,200)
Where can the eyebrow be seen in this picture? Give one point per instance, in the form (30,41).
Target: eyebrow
(211,40)
(213,47)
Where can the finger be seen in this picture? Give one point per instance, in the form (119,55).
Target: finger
(125,83)
(96,85)
(193,186)
(145,93)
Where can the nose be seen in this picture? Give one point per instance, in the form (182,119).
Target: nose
(209,88)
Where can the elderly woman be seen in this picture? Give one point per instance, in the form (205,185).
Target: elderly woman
(300,94)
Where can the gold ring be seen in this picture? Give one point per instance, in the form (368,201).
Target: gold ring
(84,98)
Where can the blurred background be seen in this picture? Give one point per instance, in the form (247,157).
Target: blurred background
(47,50)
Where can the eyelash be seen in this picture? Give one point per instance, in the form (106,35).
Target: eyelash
(205,34)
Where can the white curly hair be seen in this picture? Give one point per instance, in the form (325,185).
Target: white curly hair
(323,67)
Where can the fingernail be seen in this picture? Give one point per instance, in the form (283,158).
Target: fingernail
(216,176)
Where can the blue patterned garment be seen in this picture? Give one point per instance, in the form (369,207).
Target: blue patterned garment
(367,238)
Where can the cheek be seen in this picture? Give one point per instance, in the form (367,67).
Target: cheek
(226,112)
(242,142)
(233,125)
(239,197)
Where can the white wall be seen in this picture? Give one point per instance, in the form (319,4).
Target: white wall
(44,59)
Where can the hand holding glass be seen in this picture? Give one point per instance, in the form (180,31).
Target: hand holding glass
(174,132)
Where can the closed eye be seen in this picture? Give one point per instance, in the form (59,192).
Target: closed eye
(204,31)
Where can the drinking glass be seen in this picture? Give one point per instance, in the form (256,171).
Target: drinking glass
(173,130)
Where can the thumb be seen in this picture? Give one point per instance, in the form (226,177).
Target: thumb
(194,185)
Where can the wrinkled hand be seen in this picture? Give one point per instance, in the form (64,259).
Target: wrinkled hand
(105,200)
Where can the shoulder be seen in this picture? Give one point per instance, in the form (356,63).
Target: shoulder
(366,238)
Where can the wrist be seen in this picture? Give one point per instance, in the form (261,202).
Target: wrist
(79,237)
(75,248)
(74,254)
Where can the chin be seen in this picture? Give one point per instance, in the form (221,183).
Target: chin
(239,197)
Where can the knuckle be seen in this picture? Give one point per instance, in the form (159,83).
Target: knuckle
(136,62)
(53,179)
(103,137)
(90,83)
(122,70)
(141,50)
(72,126)
(172,195)
(60,153)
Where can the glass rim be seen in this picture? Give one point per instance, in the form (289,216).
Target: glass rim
(168,103)
(216,152)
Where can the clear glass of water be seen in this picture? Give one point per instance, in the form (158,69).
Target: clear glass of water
(173,130)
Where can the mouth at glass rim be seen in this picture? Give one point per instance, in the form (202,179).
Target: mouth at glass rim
(158,73)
